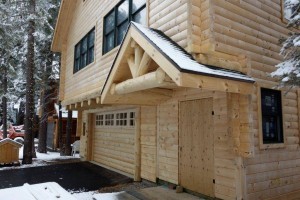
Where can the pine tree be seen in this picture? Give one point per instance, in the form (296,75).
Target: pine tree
(289,70)
(7,51)
(29,106)
(48,11)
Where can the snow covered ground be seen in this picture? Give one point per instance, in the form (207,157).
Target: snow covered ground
(52,191)
(41,160)
(98,196)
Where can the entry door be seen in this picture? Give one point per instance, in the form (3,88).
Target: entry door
(196,155)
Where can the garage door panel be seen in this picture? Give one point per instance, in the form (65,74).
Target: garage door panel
(113,145)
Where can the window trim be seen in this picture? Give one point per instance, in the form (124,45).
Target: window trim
(87,52)
(263,145)
(129,18)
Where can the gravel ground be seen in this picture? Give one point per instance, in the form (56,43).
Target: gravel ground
(127,187)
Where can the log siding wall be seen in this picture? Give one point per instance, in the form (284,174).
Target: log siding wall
(171,17)
(235,34)
(89,81)
(247,32)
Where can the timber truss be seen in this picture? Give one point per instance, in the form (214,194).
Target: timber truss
(145,71)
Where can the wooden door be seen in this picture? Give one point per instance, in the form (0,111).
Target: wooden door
(196,156)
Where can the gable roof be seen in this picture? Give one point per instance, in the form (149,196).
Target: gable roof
(179,66)
(182,60)
(10,141)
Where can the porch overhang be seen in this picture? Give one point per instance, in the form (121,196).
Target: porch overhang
(149,66)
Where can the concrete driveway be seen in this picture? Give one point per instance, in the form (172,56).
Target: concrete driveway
(83,176)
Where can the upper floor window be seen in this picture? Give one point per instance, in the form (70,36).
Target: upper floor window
(84,51)
(288,8)
(117,20)
(271,116)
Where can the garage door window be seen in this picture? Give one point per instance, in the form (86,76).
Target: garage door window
(116,119)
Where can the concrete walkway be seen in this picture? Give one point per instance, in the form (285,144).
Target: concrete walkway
(157,193)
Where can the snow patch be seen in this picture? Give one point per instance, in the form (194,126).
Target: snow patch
(42,191)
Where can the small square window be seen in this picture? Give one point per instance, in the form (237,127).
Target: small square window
(132,119)
(109,119)
(121,119)
(99,120)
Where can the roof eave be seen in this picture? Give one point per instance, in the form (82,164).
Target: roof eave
(61,26)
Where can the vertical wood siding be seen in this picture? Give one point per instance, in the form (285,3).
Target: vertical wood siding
(167,148)
(148,142)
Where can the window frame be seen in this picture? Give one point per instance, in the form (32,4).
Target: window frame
(90,49)
(117,25)
(279,143)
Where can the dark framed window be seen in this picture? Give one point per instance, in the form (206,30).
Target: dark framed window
(271,108)
(117,20)
(84,51)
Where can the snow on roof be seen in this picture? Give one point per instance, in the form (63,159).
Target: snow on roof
(65,112)
(184,61)
(42,191)
(8,140)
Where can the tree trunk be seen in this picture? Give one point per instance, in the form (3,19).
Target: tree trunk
(21,113)
(45,102)
(60,130)
(68,148)
(4,102)
(29,107)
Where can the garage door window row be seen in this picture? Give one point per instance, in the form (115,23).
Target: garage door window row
(116,119)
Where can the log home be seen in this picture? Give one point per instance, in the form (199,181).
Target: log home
(180,91)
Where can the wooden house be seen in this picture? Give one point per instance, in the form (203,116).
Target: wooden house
(52,128)
(184,94)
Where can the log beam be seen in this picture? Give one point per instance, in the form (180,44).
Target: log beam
(144,65)
(84,104)
(147,81)
(98,100)
(73,107)
(138,54)
(92,102)
(132,66)
(68,107)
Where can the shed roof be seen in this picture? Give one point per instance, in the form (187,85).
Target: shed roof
(10,141)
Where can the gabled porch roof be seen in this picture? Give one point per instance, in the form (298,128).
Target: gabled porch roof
(149,65)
